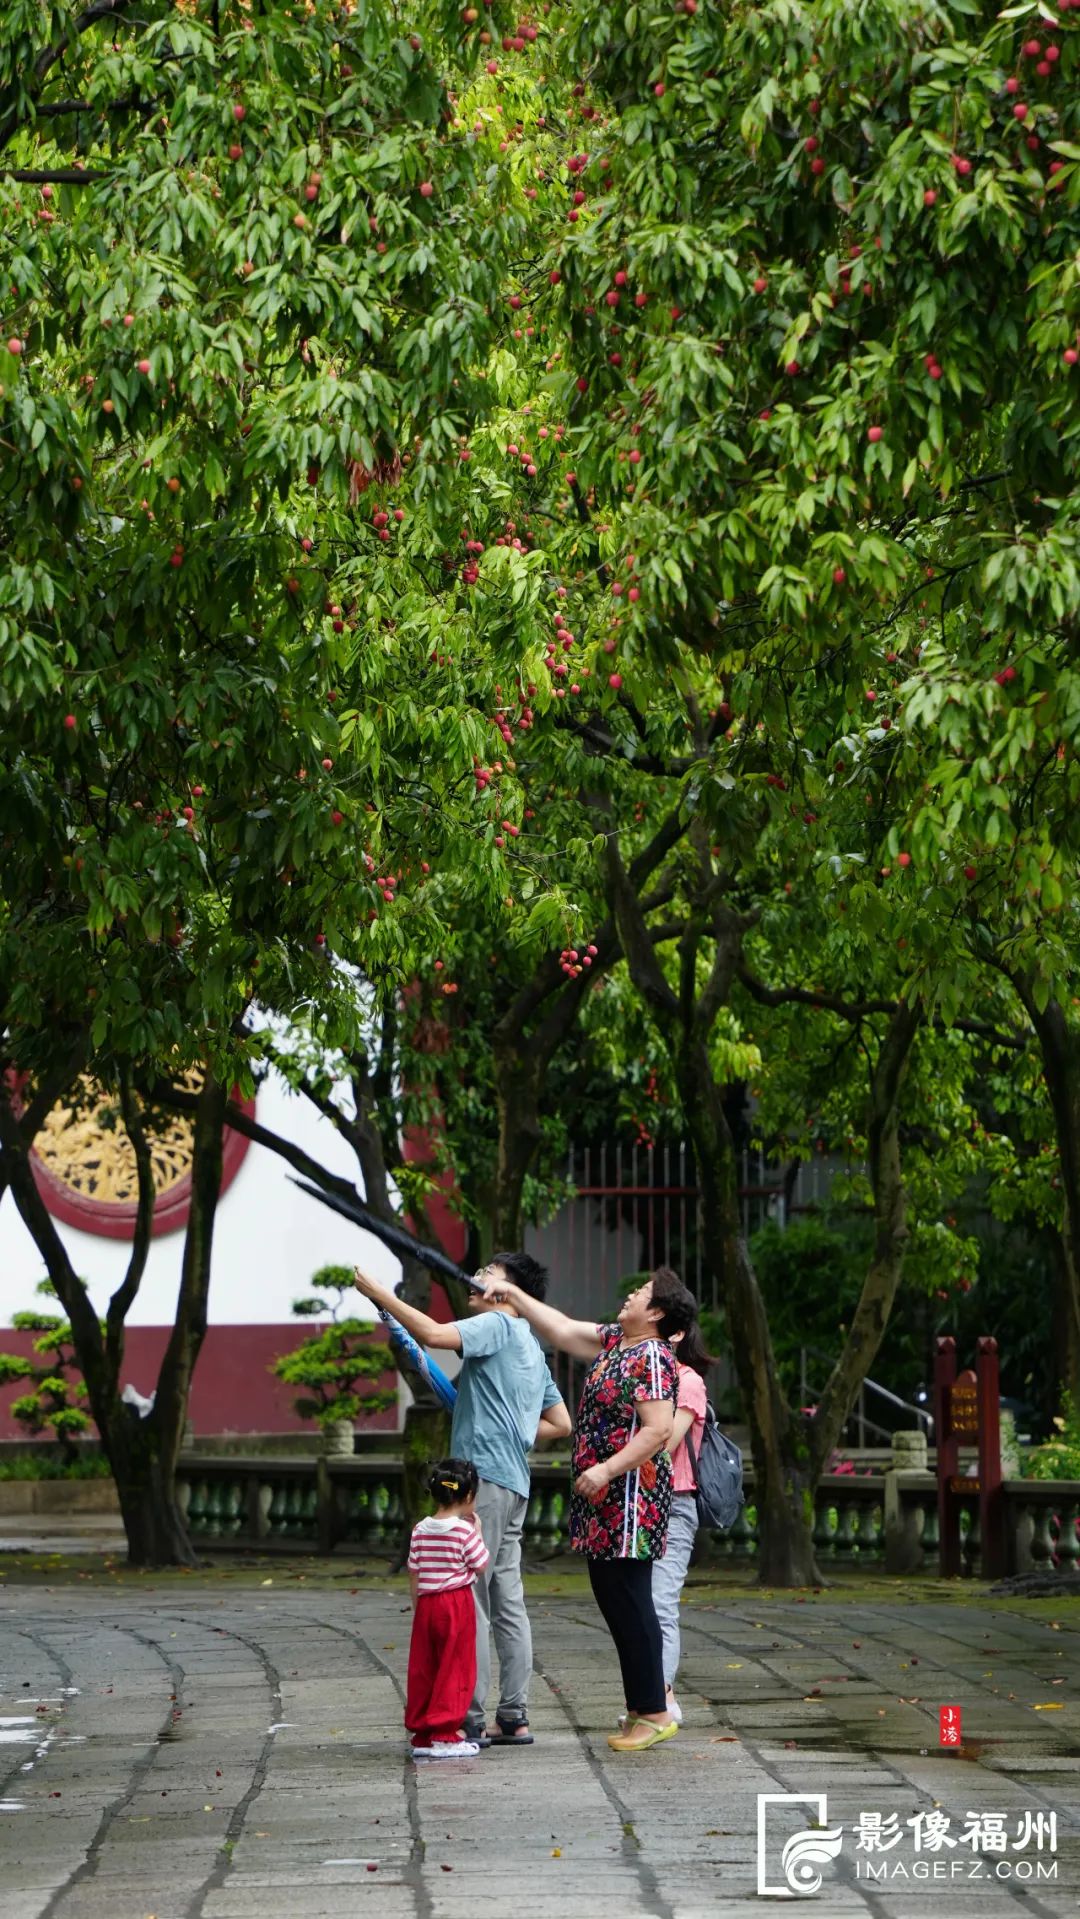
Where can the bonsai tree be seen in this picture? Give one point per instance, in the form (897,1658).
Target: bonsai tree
(338,1368)
(55,1384)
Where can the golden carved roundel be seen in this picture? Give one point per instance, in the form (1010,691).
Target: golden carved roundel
(85,1167)
(85,1147)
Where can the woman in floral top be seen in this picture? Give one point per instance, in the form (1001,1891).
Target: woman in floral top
(622,1475)
(629,1517)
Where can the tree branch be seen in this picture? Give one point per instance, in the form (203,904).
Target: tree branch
(189,1326)
(548,979)
(42,1228)
(174,1097)
(57,109)
(53,176)
(871,1314)
(125,1293)
(47,58)
(805,996)
(855,1010)
(645,969)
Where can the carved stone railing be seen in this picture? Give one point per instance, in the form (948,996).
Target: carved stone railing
(324,1503)
(886,1521)
(1045,1524)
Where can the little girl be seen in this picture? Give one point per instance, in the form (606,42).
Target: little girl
(446,1553)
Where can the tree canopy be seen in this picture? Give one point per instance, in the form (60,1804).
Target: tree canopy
(549,527)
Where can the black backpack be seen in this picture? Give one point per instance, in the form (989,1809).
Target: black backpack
(718,1475)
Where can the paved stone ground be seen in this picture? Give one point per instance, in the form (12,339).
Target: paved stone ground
(200,1752)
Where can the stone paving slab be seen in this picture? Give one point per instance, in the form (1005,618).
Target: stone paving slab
(200,1756)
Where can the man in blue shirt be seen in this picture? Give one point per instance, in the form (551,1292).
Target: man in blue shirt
(506,1402)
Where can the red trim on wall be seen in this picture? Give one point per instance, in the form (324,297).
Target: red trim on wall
(110,1219)
(233,1389)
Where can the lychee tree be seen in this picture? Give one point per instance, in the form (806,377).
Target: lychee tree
(245,338)
(772,427)
(801,251)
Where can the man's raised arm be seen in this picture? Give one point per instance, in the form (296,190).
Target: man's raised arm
(429,1332)
(578,1337)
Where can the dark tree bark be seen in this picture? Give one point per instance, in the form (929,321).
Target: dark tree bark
(871,1315)
(536,1024)
(1059,1045)
(373,1133)
(142,1453)
(169,1416)
(371,1130)
(789,1449)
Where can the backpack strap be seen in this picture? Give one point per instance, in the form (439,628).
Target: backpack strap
(691,1452)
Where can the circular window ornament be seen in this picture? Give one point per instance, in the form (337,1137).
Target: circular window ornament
(84,1163)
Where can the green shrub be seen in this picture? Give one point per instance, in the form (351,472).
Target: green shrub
(337,1368)
(52,1465)
(56,1385)
(1060,1457)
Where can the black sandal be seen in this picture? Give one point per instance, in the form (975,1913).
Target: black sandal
(514,1732)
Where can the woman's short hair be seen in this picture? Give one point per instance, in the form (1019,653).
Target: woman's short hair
(679,1314)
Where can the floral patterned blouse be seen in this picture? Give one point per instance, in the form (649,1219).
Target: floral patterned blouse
(630,1520)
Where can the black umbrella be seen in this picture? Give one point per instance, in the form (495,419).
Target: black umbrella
(395,1237)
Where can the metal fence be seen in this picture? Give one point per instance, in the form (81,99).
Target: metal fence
(635,1208)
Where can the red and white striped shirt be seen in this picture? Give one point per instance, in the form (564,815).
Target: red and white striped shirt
(446,1554)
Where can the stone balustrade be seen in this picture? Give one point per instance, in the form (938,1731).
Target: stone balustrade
(883,1520)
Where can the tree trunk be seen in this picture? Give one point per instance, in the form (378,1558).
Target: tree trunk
(152,1463)
(783,1479)
(789,1450)
(520,1071)
(875,1304)
(145,1483)
(1059,1044)
(153,1523)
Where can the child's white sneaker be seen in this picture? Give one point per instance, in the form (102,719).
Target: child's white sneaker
(453,1749)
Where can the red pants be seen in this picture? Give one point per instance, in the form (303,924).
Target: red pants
(442,1663)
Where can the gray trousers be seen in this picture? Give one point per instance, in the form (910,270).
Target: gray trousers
(500,1608)
(669,1574)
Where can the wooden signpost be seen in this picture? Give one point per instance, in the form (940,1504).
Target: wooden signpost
(967,1408)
